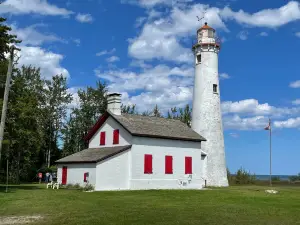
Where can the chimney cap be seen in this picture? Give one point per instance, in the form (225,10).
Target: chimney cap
(114,94)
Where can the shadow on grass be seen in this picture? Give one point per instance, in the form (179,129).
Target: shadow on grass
(14,188)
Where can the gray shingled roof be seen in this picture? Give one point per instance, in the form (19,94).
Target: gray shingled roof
(93,155)
(148,126)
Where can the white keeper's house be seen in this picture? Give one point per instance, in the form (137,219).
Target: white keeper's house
(142,152)
(128,152)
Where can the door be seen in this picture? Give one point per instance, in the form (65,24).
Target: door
(64,175)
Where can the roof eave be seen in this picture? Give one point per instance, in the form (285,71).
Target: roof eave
(168,137)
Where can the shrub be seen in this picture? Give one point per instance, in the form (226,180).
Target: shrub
(77,186)
(88,187)
(230,178)
(276,178)
(244,177)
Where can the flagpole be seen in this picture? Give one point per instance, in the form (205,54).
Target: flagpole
(270,152)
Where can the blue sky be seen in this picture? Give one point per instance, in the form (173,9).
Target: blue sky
(142,48)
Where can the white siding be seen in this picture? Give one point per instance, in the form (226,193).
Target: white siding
(75,173)
(113,173)
(109,126)
(159,148)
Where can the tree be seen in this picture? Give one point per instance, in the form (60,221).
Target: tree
(182,114)
(156,112)
(92,104)
(23,122)
(128,109)
(55,112)
(6,39)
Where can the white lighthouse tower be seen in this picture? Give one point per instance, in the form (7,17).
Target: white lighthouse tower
(206,115)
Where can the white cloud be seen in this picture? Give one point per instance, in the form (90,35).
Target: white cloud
(160,38)
(264,34)
(113,59)
(84,18)
(224,76)
(152,3)
(77,41)
(74,92)
(243,35)
(162,85)
(295,84)
(41,7)
(235,122)
(289,123)
(234,135)
(49,62)
(253,107)
(31,36)
(297,34)
(106,52)
(296,102)
(271,18)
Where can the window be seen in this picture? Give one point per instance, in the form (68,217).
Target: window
(215,88)
(85,177)
(168,164)
(211,34)
(148,164)
(188,165)
(199,58)
(116,137)
(102,138)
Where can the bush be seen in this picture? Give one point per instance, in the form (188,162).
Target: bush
(73,186)
(276,178)
(244,177)
(88,187)
(230,178)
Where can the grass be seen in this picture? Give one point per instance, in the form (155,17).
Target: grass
(234,205)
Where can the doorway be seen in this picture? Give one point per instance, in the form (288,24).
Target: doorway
(64,175)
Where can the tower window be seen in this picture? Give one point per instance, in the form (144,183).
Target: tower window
(199,58)
(215,88)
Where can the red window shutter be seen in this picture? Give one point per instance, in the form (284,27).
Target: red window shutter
(168,164)
(116,137)
(102,138)
(148,164)
(84,177)
(188,165)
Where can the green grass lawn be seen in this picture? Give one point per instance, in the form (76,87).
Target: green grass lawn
(234,205)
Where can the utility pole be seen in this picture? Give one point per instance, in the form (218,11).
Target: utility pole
(270,153)
(6,93)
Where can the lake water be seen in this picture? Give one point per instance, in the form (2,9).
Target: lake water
(266,177)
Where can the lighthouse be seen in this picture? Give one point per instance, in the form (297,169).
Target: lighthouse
(206,114)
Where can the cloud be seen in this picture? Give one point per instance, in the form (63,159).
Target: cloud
(234,135)
(152,3)
(295,84)
(290,123)
(296,102)
(243,35)
(271,18)
(31,36)
(77,41)
(113,59)
(264,34)
(224,76)
(84,18)
(253,107)
(162,85)
(161,38)
(235,122)
(48,62)
(297,34)
(41,7)
(106,52)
